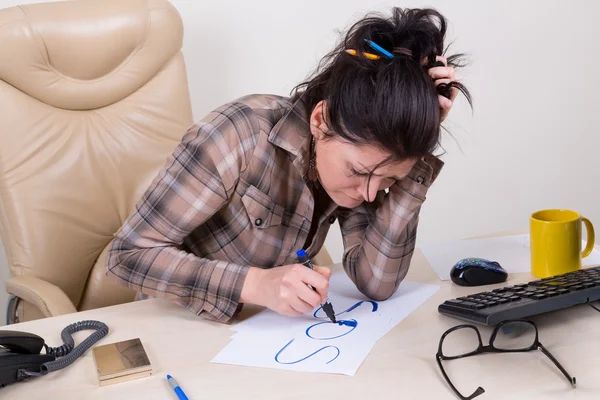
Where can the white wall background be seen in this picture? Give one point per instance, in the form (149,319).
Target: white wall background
(531,143)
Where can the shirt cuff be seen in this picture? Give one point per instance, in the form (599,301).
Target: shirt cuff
(222,295)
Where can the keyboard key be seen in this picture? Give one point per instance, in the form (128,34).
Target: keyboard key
(568,285)
(539,296)
(453,301)
(554,283)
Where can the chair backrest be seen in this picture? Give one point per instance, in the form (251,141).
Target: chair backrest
(93,99)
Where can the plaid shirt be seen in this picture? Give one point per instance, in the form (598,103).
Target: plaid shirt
(234,194)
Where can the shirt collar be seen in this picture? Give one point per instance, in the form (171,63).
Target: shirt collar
(292,134)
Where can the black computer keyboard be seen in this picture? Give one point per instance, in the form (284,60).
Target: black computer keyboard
(525,300)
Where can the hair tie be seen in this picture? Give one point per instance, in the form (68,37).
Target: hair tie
(403,51)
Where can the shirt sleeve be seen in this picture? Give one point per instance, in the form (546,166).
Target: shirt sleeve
(197,180)
(379,237)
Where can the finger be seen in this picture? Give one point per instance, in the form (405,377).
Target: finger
(300,305)
(326,272)
(442,73)
(307,295)
(289,311)
(445,103)
(442,59)
(454,94)
(440,81)
(445,106)
(316,280)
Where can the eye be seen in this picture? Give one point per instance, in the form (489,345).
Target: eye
(355,172)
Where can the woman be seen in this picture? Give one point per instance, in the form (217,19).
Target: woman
(264,176)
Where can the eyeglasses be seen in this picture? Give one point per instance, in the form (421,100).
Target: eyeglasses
(508,336)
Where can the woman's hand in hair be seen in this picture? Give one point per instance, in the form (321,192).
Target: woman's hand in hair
(441,75)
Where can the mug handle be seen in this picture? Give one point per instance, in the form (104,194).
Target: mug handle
(591,238)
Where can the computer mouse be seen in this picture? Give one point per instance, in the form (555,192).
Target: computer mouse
(476,272)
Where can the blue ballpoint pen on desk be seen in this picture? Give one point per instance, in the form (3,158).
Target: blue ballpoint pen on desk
(176,388)
(327,307)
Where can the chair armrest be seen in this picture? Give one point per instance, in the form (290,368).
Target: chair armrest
(48,298)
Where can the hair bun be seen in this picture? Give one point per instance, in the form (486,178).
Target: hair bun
(377,85)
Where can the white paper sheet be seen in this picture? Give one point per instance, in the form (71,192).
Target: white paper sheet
(512,252)
(314,344)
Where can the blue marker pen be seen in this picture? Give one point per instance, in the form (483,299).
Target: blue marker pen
(327,307)
(176,388)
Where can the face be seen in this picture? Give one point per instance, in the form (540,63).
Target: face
(343,167)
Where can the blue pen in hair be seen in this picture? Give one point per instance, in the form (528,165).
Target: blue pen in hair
(327,307)
(176,388)
(378,48)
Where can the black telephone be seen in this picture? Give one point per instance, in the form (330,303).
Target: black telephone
(21,354)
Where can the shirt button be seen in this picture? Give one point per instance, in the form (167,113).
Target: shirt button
(258,222)
(331,219)
(420,179)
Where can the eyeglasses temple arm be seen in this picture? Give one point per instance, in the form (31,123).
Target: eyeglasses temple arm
(476,393)
(572,380)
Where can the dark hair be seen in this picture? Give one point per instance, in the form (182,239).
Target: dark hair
(391,103)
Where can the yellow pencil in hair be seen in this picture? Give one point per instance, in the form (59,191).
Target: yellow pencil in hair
(370,56)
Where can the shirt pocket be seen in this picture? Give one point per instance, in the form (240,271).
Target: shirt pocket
(262,210)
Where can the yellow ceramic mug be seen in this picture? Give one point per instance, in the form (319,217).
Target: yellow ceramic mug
(556,242)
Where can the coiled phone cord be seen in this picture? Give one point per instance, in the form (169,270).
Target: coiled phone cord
(67,353)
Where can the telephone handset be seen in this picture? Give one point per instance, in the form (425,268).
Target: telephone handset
(21,354)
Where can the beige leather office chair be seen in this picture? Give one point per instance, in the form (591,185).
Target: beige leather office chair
(93,99)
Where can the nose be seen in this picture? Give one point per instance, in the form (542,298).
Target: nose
(368,191)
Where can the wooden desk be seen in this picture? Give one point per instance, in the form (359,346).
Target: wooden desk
(401,365)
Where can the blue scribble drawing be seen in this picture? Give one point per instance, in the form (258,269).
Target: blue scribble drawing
(353,323)
(310,355)
(344,322)
(373,303)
